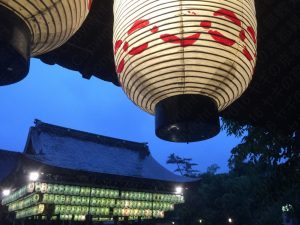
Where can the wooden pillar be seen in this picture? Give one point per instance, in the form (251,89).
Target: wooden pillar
(126,220)
(115,220)
(139,220)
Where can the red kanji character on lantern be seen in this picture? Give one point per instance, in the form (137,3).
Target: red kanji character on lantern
(139,24)
(222,39)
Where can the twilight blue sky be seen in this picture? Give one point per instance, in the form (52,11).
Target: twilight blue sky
(62,97)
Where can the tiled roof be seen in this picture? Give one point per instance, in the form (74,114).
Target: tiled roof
(77,150)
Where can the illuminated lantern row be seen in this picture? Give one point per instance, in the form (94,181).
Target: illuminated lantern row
(24,203)
(75,202)
(185,61)
(32,211)
(144,205)
(35,27)
(78,200)
(66,217)
(148,213)
(106,193)
(151,197)
(18,194)
(76,190)
(81,210)
(79,218)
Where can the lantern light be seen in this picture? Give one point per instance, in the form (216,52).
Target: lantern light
(287,208)
(230,220)
(34,28)
(6,192)
(200,221)
(178,190)
(34,176)
(185,61)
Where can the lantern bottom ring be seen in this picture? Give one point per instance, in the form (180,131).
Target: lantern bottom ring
(15,44)
(187,118)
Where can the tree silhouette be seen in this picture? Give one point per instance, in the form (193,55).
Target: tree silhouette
(185,166)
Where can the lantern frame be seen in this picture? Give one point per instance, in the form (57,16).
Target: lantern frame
(185,61)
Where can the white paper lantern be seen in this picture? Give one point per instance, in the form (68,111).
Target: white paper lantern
(34,27)
(185,60)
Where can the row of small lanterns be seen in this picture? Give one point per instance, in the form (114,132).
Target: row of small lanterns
(40,199)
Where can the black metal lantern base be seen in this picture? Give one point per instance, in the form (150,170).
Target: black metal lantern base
(186,118)
(15,40)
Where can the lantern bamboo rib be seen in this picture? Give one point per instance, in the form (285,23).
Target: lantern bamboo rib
(242,82)
(51,22)
(248,17)
(226,29)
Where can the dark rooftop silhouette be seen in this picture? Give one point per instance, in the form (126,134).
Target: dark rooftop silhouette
(81,151)
(8,162)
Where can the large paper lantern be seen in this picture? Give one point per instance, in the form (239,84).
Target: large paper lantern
(33,27)
(185,61)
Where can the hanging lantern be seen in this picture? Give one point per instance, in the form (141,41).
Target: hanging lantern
(185,61)
(30,28)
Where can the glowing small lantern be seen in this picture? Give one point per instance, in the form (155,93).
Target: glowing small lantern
(31,28)
(178,190)
(34,176)
(185,61)
(6,192)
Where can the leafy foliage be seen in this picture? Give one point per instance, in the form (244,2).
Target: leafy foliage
(252,198)
(261,146)
(212,169)
(184,165)
(264,175)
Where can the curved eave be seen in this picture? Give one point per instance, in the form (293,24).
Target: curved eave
(169,176)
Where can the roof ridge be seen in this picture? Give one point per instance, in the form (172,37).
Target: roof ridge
(9,151)
(88,136)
